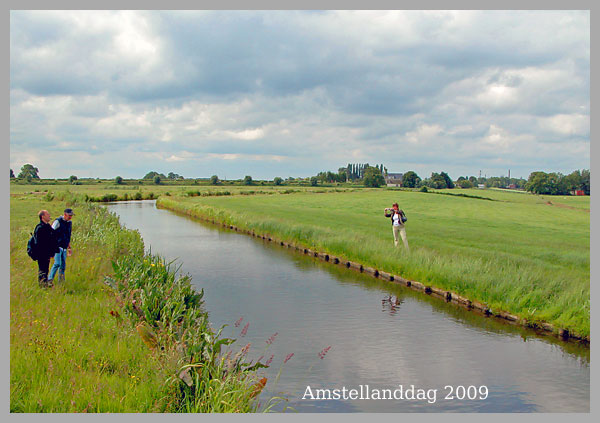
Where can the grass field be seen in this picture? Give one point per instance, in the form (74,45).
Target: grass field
(67,353)
(83,346)
(511,250)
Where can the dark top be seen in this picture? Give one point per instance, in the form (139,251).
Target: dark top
(46,241)
(62,229)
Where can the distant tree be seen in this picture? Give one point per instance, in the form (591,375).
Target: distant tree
(373,177)
(473,180)
(152,174)
(247,180)
(437,181)
(214,180)
(410,179)
(314,181)
(29,170)
(156,180)
(118,180)
(12,174)
(277,180)
(541,183)
(72,179)
(585,181)
(464,183)
(449,183)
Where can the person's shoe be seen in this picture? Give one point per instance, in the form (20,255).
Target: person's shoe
(61,277)
(49,283)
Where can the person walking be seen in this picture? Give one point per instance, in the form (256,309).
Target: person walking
(398,218)
(62,229)
(46,247)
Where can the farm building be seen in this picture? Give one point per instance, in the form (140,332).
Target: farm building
(393,179)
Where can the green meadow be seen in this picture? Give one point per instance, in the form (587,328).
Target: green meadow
(121,334)
(525,254)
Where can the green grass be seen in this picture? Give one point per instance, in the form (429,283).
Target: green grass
(83,346)
(68,354)
(517,254)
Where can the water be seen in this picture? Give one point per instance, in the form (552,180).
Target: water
(382,335)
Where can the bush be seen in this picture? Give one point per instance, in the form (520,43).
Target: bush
(423,189)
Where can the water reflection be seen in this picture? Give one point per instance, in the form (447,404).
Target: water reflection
(381,333)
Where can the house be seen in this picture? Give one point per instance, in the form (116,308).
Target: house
(578,192)
(393,179)
(481,186)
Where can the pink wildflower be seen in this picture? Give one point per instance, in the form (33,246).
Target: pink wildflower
(239,322)
(245,330)
(288,357)
(270,360)
(323,352)
(272,338)
(245,349)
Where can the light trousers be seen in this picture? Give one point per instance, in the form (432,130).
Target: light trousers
(399,229)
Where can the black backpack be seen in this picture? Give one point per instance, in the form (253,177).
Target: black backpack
(403,217)
(32,247)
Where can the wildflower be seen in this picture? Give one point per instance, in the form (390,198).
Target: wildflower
(287,358)
(245,330)
(239,322)
(245,349)
(323,352)
(271,338)
(270,360)
(258,387)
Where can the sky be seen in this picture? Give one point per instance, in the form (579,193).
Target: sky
(293,93)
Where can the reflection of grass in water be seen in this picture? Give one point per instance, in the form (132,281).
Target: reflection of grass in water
(520,256)
(473,319)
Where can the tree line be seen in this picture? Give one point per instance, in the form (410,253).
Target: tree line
(554,183)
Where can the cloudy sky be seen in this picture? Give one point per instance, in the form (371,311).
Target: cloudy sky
(292,93)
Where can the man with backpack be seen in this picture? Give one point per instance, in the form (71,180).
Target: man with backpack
(398,218)
(62,230)
(43,248)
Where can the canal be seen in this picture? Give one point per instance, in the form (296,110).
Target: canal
(419,353)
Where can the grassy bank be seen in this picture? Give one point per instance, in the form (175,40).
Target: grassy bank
(142,344)
(517,253)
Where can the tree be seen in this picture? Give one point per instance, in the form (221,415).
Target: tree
(156,180)
(12,174)
(72,179)
(28,170)
(437,181)
(410,179)
(585,181)
(464,183)
(449,183)
(314,181)
(373,177)
(118,180)
(546,183)
(150,175)
(247,180)
(277,180)
(214,180)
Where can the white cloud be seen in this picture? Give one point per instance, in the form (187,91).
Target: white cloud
(573,124)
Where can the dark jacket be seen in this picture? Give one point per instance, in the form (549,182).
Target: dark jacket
(390,214)
(62,230)
(46,245)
